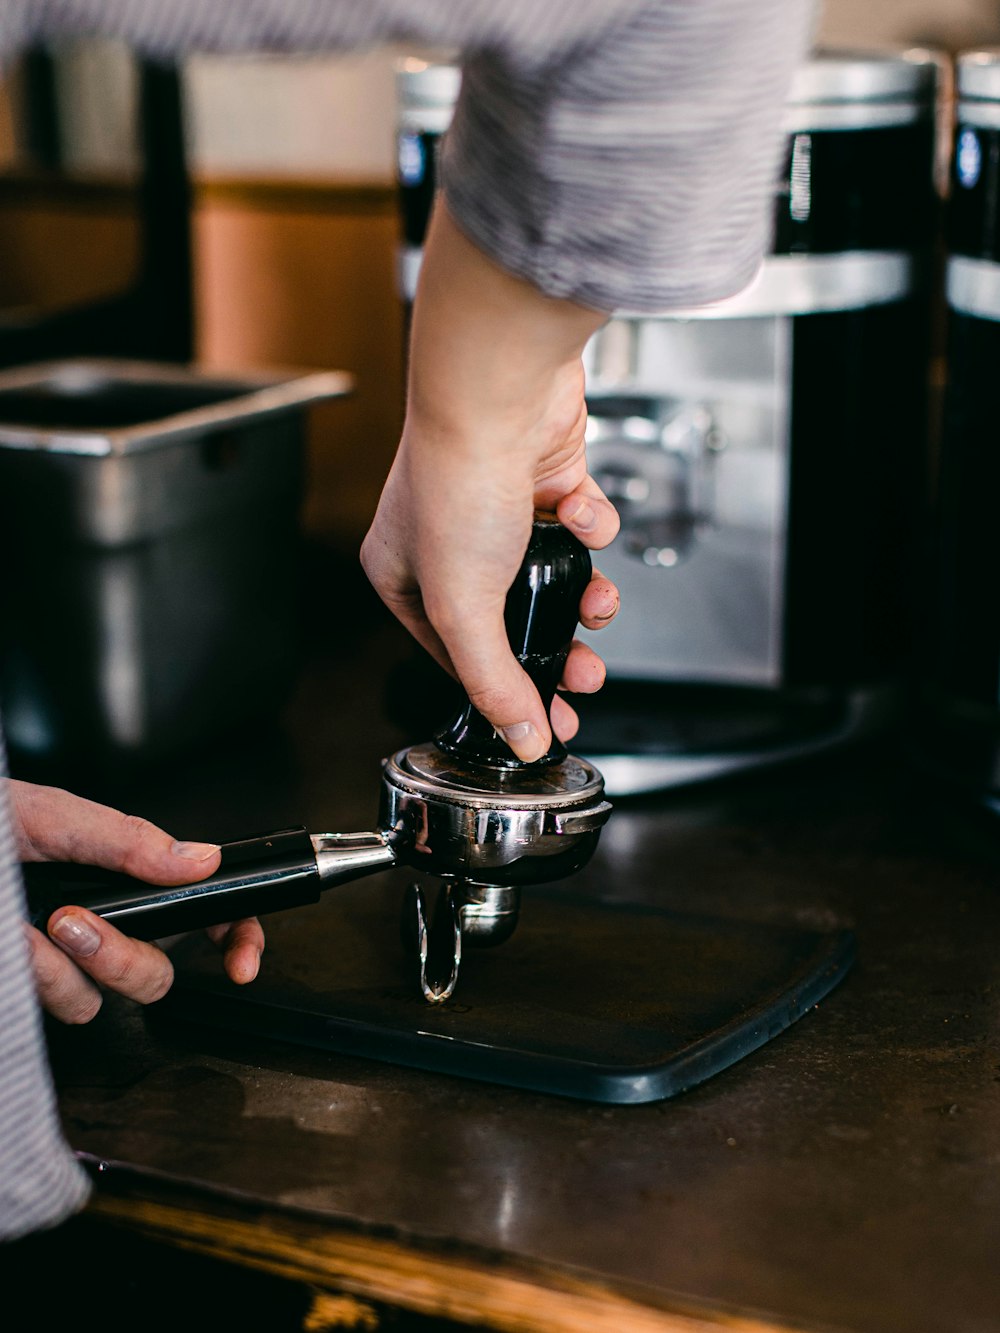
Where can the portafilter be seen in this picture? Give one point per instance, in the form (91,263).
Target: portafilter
(461,807)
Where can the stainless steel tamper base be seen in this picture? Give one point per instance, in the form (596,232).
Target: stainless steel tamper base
(485,832)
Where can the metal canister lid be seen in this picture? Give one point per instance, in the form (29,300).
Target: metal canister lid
(426,93)
(847,89)
(977,88)
(861,76)
(977,74)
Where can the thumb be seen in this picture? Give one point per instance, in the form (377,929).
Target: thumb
(54,825)
(500,688)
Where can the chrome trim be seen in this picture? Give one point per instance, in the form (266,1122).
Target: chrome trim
(977,115)
(345,856)
(427,92)
(972,287)
(864,76)
(425,119)
(570,822)
(854,116)
(811,284)
(408,259)
(254,395)
(977,73)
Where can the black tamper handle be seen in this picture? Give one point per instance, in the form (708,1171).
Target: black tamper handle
(541,616)
(256,876)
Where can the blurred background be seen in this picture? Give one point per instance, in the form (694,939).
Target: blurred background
(294,228)
(776,468)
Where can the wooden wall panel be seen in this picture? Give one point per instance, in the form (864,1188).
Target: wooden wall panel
(58,247)
(284,280)
(286,275)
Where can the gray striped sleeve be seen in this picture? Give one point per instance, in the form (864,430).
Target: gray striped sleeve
(529,31)
(620,153)
(41,1183)
(639,173)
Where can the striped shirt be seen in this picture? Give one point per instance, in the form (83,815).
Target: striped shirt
(619,153)
(40,1182)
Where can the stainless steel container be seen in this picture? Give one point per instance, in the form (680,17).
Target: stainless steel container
(149,531)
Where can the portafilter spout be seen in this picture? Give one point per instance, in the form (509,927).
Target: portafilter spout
(462,807)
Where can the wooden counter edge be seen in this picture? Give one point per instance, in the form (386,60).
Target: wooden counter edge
(503,1295)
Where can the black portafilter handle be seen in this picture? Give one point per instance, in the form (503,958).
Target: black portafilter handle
(255,876)
(541,615)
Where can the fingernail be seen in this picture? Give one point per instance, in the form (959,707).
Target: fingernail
(194,851)
(583,517)
(77,935)
(524,740)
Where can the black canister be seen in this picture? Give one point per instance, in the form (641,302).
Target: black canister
(867,203)
(974,186)
(769,455)
(959,732)
(426,92)
(859,135)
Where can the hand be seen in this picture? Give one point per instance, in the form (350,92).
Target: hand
(82,953)
(494,430)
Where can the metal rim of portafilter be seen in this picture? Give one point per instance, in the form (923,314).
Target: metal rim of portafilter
(461,807)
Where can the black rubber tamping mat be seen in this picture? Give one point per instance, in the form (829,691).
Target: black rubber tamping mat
(600,1002)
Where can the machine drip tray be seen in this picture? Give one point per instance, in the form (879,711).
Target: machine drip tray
(595,1001)
(654,737)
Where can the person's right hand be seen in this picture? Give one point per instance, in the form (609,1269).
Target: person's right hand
(82,955)
(494,430)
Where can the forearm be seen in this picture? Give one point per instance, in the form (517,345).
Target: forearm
(494,427)
(635,173)
(495,410)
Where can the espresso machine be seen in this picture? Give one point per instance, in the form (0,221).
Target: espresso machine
(767,453)
(588,997)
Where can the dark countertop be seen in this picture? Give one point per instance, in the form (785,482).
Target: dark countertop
(846,1175)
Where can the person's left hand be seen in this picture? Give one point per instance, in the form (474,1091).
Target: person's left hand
(82,955)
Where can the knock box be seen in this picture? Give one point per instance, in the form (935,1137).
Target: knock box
(150,535)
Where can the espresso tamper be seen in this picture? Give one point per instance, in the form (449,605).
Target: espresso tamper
(489,822)
(461,807)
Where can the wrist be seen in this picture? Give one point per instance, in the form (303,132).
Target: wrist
(489,353)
